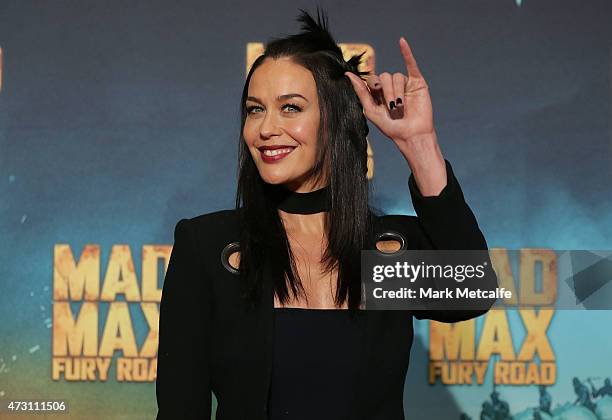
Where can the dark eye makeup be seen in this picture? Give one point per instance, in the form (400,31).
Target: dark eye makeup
(296,107)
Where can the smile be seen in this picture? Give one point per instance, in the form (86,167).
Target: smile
(274,155)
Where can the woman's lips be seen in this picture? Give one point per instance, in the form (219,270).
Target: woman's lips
(274,155)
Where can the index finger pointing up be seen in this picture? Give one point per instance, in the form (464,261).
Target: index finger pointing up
(411,64)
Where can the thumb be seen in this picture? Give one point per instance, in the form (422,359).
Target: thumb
(363,93)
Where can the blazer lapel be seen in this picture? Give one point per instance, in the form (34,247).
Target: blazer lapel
(362,392)
(264,337)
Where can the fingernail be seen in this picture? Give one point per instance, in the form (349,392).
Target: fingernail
(398,101)
(391,105)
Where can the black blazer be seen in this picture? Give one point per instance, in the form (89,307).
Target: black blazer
(209,342)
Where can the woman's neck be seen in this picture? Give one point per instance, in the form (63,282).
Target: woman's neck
(302,212)
(309,224)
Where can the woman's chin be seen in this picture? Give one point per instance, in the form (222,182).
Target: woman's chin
(275,177)
(274,180)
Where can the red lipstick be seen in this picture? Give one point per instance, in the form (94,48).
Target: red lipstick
(273,154)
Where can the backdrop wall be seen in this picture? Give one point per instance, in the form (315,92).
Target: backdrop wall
(119,118)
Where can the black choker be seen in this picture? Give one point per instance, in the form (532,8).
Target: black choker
(303,203)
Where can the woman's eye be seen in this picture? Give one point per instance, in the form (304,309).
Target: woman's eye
(251,108)
(293,106)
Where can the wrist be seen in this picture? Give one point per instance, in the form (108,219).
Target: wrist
(421,144)
(424,157)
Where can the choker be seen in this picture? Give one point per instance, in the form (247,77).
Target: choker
(303,203)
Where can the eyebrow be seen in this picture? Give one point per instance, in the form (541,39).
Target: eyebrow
(279,98)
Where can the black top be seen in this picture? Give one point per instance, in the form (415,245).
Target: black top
(315,363)
(210,341)
(316,355)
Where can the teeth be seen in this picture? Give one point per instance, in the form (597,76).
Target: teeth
(276,152)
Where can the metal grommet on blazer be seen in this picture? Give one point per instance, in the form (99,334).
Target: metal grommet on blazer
(390,235)
(225,255)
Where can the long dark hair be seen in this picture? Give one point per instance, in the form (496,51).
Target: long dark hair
(341,157)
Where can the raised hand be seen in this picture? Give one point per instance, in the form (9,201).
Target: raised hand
(400,107)
(398,104)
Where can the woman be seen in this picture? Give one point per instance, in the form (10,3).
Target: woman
(262,304)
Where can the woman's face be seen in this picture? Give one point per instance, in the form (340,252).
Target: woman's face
(282,123)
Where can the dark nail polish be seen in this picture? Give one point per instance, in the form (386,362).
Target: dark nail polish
(398,101)
(391,105)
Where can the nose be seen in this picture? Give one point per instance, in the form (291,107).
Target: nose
(269,126)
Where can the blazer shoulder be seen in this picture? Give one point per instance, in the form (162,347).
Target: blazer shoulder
(222,217)
(215,230)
